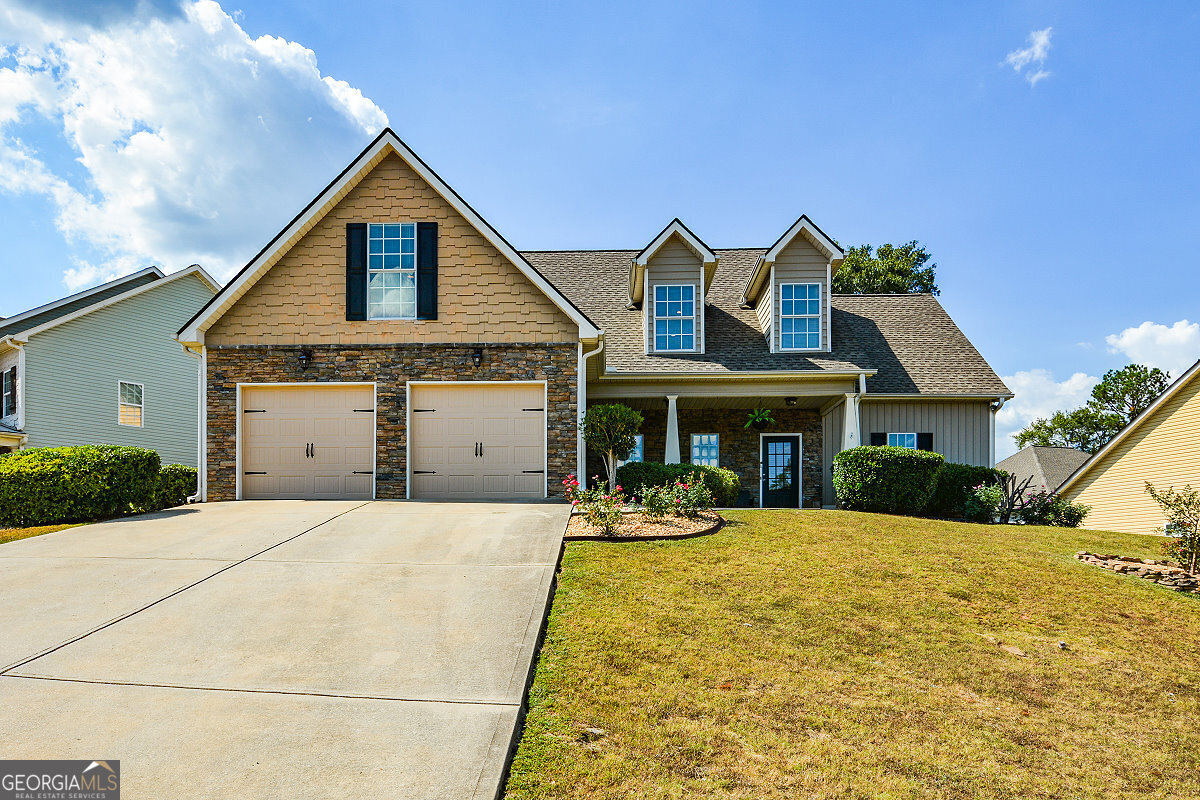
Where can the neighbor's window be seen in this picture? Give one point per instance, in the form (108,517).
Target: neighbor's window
(129,404)
(392,271)
(9,405)
(675,317)
(800,316)
(705,450)
(908,440)
(637,453)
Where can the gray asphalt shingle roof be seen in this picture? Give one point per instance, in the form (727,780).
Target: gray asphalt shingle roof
(909,339)
(1049,466)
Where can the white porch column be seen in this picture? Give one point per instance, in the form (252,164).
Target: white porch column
(850,423)
(671,456)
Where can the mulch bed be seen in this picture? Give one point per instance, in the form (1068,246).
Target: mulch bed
(637,526)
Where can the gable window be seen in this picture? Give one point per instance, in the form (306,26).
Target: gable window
(705,449)
(800,316)
(675,317)
(129,404)
(637,453)
(908,440)
(392,271)
(9,405)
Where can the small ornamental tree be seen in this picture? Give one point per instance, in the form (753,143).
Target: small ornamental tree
(609,430)
(1183,523)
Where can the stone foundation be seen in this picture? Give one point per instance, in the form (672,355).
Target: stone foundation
(739,448)
(390,367)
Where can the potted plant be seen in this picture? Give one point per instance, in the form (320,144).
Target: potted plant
(759,419)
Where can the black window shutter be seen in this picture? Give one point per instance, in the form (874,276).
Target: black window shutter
(356,271)
(924,441)
(427,269)
(878,439)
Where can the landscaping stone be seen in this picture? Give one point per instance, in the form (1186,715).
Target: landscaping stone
(1164,573)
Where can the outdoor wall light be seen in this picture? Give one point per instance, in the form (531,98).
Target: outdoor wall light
(477,357)
(790,401)
(305,358)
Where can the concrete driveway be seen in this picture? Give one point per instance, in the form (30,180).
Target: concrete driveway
(280,649)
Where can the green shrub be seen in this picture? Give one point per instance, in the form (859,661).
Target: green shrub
(49,485)
(600,508)
(984,502)
(657,501)
(723,484)
(890,480)
(176,483)
(1048,508)
(955,486)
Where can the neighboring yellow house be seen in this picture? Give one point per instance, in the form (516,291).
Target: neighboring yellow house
(1162,446)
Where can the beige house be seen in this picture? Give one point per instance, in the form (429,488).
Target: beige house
(390,343)
(1161,445)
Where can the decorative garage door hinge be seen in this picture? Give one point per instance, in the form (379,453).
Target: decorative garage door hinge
(533,471)
(365,410)
(254,473)
(533,409)
(424,410)
(424,472)
(254,411)
(363,472)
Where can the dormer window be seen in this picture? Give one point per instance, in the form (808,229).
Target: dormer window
(800,316)
(675,317)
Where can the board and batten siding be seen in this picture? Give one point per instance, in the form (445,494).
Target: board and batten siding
(961,430)
(74,369)
(1164,449)
(801,262)
(831,432)
(674,263)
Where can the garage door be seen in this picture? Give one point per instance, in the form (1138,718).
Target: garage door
(312,442)
(477,441)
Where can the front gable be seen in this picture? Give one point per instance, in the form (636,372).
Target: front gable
(295,291)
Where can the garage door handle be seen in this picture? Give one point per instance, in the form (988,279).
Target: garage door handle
(424,472)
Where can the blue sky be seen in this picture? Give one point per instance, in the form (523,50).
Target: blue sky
(1062,212)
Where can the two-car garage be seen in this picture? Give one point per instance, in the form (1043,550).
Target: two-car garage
(466,440)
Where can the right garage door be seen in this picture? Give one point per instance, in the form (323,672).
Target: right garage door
(477,441)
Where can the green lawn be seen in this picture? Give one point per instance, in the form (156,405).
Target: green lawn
(825,654)
(13,534)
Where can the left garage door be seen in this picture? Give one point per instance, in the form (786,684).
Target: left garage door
(308,441)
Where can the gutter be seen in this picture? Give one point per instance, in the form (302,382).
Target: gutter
(201,422)
(816,374)
(581,394)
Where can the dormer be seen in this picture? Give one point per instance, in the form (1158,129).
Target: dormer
(669,279)
(789,289)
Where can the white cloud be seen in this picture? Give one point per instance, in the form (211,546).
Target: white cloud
(1173,348)
(1037,395)
(192,141)
(1032,57)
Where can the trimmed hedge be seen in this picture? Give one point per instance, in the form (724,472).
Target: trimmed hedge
(176,483)
(724,484)
(890,480)
(49,485)
(955,485)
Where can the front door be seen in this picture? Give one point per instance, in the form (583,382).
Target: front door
(780,472)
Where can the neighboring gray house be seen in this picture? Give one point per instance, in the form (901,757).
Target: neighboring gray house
(103,367)
(1048,466)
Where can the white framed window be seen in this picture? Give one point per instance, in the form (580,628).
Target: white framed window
(638,451)
(392,270)
(705,449)
(908,440)
(800,316)
(130,403)
(675,317)
(8,405)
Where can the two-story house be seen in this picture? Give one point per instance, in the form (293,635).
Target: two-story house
(390,343)
(102,366)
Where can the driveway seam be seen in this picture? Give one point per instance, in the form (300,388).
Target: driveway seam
(126,616)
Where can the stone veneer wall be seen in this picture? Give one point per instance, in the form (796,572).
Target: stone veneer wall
(739,447)
(390,366)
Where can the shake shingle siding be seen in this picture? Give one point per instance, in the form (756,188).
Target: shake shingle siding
(74,368)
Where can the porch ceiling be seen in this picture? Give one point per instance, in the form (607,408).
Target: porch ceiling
(689,402)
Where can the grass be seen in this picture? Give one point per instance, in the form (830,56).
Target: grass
(824,654)
(13,534)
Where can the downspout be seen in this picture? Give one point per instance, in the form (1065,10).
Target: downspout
(201,423)
(995,408)
(581,393)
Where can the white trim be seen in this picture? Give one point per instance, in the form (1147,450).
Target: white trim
(833,253)
(890,434)
(1134,424)
(654,318)
(820,313)
(195,269)
(940,397)
(545,384)
(675,228)
(237,493)
(193,332)
(141,407)
(80,295)
(799,469)
(393,271)
(788,375)
(692,449)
